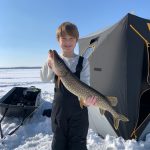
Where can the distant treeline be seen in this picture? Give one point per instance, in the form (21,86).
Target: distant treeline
(20,67)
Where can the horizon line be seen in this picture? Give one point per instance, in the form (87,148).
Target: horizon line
(21,67)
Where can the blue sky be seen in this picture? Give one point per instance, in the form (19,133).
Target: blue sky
(28,27)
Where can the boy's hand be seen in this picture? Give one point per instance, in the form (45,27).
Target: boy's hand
(90,101)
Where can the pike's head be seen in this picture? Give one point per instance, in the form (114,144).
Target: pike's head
(58,65)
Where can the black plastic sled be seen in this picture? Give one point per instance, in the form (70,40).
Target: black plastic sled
(19,102)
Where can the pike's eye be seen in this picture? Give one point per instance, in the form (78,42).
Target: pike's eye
(59,62)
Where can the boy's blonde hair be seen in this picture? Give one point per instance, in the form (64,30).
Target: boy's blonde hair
(67,28)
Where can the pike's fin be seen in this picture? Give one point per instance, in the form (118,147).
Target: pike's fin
(58,82)
(113,100)
(117,120)
(116,123)
(81,101)
(102,111)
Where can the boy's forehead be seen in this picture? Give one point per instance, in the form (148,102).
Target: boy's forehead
(67,36)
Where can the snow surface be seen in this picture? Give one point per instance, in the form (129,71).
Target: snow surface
(36,134)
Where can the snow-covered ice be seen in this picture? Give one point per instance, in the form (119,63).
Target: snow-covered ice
(36,133)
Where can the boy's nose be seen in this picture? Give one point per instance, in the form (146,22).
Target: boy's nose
(68,42)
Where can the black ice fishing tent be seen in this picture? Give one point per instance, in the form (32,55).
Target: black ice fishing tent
(119,66)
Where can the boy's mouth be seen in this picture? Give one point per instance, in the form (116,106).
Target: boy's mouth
(68,46)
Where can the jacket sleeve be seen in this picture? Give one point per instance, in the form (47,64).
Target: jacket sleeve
(85,73)
(46,74)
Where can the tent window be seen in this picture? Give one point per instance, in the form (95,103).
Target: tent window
(91,47)
(94,40)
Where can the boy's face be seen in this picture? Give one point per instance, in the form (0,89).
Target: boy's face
(67,43)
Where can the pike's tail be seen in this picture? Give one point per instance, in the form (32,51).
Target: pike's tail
(117,120)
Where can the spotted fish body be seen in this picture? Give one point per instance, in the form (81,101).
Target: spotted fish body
(82,90)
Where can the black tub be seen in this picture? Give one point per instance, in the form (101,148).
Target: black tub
(20,101)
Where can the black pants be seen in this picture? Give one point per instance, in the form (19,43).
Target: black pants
(70,132)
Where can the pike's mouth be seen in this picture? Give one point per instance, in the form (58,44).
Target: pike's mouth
(51,52)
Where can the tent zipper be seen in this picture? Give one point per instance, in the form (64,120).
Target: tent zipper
(146,42)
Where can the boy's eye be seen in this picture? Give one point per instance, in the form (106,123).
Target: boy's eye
(64,38)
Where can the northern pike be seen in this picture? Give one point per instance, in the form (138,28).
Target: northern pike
(82,90)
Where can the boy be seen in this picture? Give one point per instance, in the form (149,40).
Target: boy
(69,120)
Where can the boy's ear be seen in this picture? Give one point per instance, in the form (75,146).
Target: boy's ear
(57,38)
